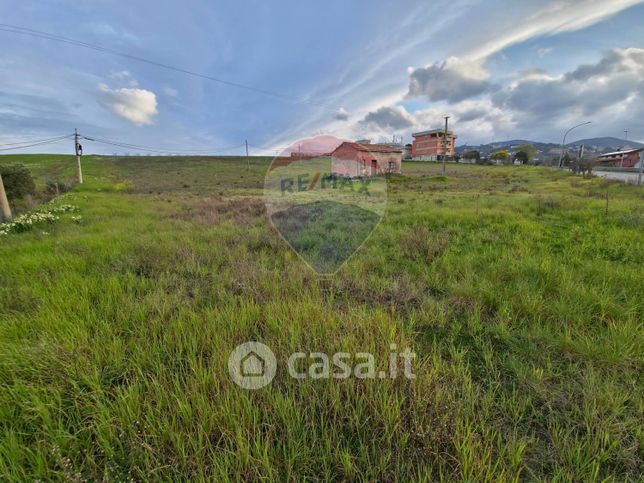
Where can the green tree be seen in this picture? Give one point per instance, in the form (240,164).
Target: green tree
(18,181)
(567,159)
(521,156)
(502,155)
(529,150)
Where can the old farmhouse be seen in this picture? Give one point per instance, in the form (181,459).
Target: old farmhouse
(355,159)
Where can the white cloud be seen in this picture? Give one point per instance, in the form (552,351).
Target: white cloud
(476,120)
(341,114)
(375,88)
(591,90)
(138,106)
(553,17)
(535,104)
(388,119)
(452,80)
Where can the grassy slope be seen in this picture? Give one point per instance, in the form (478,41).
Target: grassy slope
(521,297)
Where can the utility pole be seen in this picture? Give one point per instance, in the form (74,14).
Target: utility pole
(563,143)
(445,144)
(621,162)
(79,151)
(5,209)
(247,158)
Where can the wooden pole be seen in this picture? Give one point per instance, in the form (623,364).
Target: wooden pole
(5,209)
(78,157)
(445,148)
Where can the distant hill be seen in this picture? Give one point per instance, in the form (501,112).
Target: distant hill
(513,142)
(592,146)
(544,149)
(607,143)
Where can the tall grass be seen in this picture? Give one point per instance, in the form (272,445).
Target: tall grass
(527,322)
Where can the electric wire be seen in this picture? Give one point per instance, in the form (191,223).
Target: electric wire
(36,140)
(152,149)
(45,141)
(59,38)
(136,147)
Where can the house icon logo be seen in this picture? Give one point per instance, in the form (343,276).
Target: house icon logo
(252,365)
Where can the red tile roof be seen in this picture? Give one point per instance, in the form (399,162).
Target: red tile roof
(372,148)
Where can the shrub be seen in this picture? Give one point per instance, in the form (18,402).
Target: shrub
(18,182)
(58,187)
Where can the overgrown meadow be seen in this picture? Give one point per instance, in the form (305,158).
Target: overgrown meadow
(520,289)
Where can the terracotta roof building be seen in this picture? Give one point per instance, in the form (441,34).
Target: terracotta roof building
(355,159)
(627,158)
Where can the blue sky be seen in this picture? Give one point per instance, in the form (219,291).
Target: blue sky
(500,69)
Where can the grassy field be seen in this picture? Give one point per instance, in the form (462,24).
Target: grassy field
(520,289)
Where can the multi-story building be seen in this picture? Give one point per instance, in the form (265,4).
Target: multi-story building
(431,145)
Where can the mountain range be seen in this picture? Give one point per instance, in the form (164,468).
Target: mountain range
(592,146)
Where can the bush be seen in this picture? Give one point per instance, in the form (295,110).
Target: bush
(58,187)
(17,180)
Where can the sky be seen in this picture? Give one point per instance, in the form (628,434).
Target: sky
(292,69)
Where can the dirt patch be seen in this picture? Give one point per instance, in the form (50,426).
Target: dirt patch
(214,210)
(401,296)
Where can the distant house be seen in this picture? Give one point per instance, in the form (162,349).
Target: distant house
(627,158)
(355,159)
(430,145)
(407,151)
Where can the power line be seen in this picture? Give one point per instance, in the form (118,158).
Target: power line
(36,140)
(153,149)
(135,147)
(45,141)
(122,144)
(58,38)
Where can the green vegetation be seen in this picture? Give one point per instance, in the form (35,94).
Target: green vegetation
(520,289)
(325,233)
(17,180)
(526,153)
(500,155)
